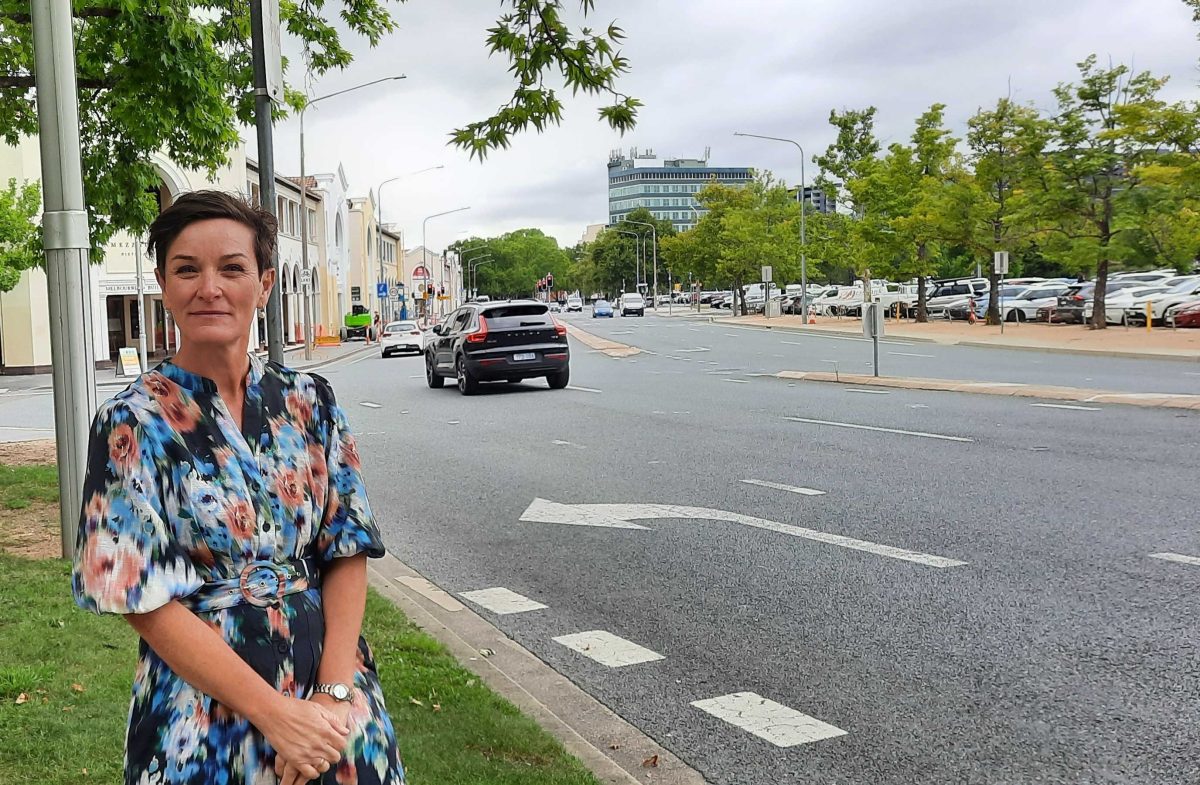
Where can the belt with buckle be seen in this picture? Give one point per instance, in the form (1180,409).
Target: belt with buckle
(260,583)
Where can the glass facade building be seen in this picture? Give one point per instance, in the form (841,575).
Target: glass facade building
(668,191)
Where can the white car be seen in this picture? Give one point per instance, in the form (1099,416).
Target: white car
(632,303)
(574,303)
(1159,302)
(1024,307)
(401,337)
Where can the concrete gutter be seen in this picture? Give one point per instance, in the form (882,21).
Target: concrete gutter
(615,751)
(1073,394)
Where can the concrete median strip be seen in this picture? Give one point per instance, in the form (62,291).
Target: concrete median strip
(1075,394)
(610,348)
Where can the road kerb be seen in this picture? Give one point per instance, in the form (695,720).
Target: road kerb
(610,348)
(1078,394)
(609,746)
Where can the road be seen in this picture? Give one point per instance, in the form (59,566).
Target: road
(958,589)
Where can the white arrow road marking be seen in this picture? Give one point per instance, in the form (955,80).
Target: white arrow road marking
(502,601)
(882,430)
(789,488)
(1179,558)
(371,405)
(619,516)
(583,389)
(768,720)
(1067,406)
(608,649)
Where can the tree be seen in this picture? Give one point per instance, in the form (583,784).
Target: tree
(20,238)
(519,259)
(1083,192)
(176,77)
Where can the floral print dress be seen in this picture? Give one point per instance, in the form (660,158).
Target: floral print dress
(177,501)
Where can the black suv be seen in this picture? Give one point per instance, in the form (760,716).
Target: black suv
(498,341)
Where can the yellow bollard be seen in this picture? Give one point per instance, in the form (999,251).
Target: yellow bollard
(1149,315)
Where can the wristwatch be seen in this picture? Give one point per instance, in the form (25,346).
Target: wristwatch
(337,690)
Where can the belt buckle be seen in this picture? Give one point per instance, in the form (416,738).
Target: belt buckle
(261,570)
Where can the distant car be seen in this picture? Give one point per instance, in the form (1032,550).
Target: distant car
(502,341)
(1074,306)
(555,307)
(633,304)
(401,337)
(574,303)
(602,308)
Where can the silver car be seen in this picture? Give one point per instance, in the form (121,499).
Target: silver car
(401,337)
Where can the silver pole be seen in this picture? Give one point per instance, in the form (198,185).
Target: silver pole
(305,275)
(141,295)
(66,242)
(266,172)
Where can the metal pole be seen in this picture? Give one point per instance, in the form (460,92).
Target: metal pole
(266,172)
(654,233)
(305,275)
(66,242)
(141,295)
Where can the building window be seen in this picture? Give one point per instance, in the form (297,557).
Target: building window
(312,224)
(281,213)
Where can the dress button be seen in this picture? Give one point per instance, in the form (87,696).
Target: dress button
(266,527)
(282,647)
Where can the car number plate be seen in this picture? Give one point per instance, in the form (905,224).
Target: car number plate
(521,356)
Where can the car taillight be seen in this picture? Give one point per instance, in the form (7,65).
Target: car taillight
(480,335)
(415,332)
(1077,298)
(559,329)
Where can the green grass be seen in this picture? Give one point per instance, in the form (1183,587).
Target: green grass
(452,729)
(20,485)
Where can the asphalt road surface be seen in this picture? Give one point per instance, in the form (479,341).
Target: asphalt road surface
(973,596)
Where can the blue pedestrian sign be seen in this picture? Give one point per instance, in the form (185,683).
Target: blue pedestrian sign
(381,290)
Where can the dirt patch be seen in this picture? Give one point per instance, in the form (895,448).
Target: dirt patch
(32,532)
(39,452)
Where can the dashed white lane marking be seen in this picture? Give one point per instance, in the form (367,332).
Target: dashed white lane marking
(371,405)
(868,392)
(789,488)
(502,601)
(1178,558)
(608,649)
(1067,406)
(452,422)
(911,354)
(1185,373)
(768,720)
(729,335)
(562,443)
(736,381)
(583,389)
(3,390)
(858,427)
(697,349)
(622,332)
(417,376)
(792,343)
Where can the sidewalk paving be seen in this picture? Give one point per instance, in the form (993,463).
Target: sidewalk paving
(1159,343)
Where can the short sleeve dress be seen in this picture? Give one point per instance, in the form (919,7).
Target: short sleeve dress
(177,500)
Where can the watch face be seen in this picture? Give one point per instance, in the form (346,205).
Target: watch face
(341,692)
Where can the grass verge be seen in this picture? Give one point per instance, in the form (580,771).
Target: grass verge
(65,683)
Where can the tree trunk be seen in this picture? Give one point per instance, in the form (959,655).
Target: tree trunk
(922,298)
(993,311)
(1098,320)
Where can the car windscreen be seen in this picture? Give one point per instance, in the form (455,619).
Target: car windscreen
(519,315)
(600,304)
(400,327)
(1184,287)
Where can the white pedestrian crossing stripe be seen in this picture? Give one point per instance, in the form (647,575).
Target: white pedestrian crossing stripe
(502,601)
(608,649)
(770,721)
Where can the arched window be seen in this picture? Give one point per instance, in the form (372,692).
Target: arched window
(337,231)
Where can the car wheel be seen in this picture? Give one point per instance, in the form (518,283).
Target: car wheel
(431,374)
(467,384)
(559,379)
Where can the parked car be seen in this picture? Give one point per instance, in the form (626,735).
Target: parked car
(401,337)
(1186,315)
(954,292)
(1074,306)
(1025,306)
(1159,302)
(574,303)
(633,304)
(556,307)
(501,341)
(602,308)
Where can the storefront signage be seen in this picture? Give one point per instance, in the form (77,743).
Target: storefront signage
(128,287)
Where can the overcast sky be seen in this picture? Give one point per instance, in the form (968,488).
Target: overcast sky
(703,69)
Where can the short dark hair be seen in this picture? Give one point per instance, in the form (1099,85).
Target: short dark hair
(208,205)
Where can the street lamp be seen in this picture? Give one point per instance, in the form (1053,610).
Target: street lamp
(304,209)
(803,188)
(655,233)
(636,237)
(379,216)
(425,248)
(475,274)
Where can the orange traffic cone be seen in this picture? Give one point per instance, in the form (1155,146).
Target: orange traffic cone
(970,312)
(812,318)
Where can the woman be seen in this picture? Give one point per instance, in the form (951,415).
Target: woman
(225,516)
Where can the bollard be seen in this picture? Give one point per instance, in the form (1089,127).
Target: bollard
(1149,315)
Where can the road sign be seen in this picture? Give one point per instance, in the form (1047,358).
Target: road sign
(1001,262)
(872,320)
(305,278)
(621,516)
(131,364)
(381,290)
(272,47)
(766,273)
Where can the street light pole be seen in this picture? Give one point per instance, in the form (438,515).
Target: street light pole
(475,273)
(801,195)
(379,220)
(307,275)
(425,247)
(636,268)
(654,231)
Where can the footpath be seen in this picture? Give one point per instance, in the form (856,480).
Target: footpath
(1159,343)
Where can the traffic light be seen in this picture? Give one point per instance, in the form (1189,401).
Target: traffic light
(549,281)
